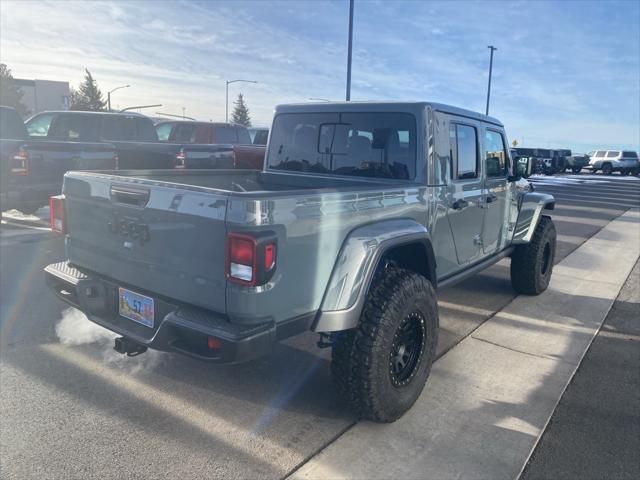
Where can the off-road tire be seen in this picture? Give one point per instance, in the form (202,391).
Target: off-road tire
(532,263)
(362,359)
(607,169)
(576,169)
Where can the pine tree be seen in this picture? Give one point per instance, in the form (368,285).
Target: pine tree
(240,113)
(88,96)
(10,94)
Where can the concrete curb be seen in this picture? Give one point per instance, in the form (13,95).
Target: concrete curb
(489,399)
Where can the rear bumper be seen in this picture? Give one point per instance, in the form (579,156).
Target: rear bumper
(179,328)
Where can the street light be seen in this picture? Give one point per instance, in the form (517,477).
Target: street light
(492,48)
(226,113)
(319,99)
(111,91)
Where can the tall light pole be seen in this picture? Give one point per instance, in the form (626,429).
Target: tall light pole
(492,48)
(111,91)
(226,113)
(349,50)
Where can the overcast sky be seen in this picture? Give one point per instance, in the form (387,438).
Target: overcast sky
(566,74)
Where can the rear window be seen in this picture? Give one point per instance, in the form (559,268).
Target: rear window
(233,135)
(11,125)
(73,127)
(381,145)
(123,128)
(613,153)
(629,154)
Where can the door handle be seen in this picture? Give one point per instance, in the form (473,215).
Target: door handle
(460,204)
(491,198)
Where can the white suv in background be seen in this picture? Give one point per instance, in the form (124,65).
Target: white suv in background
(609,161)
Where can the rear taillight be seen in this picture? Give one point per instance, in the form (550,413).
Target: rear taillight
(20,163)
(56,214)
(181,159)
(251,260)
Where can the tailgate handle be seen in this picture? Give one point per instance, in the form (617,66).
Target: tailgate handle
(130,195)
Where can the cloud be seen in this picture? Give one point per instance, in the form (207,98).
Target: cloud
(550,64)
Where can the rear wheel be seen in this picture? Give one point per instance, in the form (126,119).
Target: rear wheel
(624,172)
(532,263)
(576,169)
(381,367)
(607,169)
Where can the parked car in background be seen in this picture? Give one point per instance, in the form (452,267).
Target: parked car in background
(211,145)
(132,135)
(361,212)
(609,161)
(561,159)
(180,131)
(577,162)
(259,135)
(33,168)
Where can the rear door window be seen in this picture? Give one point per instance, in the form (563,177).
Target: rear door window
(464,152)
(613,153)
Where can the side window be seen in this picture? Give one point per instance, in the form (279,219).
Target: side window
(612,154)
(39,126)
(164,130)
(495,157)
(464,150)
(146,131)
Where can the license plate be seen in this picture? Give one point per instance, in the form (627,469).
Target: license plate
(135,307)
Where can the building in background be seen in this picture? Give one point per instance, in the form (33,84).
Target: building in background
(41,95)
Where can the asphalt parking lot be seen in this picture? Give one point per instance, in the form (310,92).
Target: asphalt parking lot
(71,407)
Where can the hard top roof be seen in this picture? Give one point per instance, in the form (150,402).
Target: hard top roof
(382,106)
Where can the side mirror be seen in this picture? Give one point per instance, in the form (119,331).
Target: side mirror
(523,167)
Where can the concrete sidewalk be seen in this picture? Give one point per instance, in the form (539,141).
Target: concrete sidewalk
(489,399)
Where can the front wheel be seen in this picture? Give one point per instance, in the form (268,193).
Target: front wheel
(381,367)
(532,263)
(607,169)
(576,169)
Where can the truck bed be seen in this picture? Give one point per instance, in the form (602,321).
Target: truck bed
(244,181)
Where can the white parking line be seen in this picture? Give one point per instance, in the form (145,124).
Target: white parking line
(489,399)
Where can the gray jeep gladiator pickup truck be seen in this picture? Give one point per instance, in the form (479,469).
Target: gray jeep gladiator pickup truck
(361,212)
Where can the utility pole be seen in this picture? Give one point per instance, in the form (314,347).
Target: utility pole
(226,102)
(349,50)
(492,48)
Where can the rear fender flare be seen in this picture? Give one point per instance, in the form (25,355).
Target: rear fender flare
(360,257)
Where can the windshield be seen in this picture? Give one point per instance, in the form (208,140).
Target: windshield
(381,145)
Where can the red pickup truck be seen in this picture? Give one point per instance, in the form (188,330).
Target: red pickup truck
(233,146)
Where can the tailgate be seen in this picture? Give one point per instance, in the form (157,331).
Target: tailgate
(160,238)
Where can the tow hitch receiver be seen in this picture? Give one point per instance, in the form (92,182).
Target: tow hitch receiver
(124,345)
